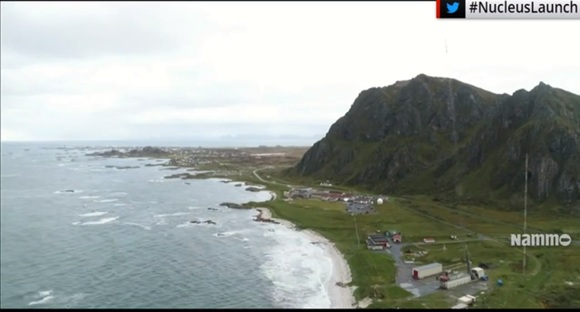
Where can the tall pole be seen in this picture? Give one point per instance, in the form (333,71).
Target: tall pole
(525,211)
(356,230)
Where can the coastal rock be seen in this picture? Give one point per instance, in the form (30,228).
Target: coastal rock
(260,218)
(111,153)
(203,222)
(153,165)
(238,185)
(253,189)
(123,167)
(183,176)
(187,183)
(147,151)
(233,205)
(212,208)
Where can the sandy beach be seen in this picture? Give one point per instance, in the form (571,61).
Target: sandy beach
(340,297)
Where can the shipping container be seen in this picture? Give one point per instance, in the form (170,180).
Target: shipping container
(467,299)
(456,282)
(427,270)
(459,306)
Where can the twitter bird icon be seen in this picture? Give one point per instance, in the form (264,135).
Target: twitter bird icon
(452,8)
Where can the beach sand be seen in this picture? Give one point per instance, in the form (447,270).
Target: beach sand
(340,297)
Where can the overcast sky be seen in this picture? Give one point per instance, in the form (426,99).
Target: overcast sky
(105,71)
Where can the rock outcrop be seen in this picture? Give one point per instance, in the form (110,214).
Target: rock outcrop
(147,151)
(455,141)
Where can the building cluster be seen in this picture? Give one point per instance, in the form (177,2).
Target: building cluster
(354,204)
(383,241)
(305,193)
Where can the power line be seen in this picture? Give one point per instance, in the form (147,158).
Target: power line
(525,212)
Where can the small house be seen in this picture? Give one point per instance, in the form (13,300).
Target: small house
(397,238)
(378,239)
(372,245)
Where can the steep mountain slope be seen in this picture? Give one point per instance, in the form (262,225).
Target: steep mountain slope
(444,137)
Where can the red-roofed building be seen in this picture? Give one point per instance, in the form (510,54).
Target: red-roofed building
(397,238)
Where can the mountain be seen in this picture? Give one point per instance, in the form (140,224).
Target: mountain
(456,142)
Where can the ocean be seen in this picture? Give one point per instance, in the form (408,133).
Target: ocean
(122,239)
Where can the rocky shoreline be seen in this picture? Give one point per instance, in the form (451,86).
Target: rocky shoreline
(234,206)
(204,222)
(147,152)
(261,217)
(123,167)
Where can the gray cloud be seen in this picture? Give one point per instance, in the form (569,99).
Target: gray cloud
(120,30)
(89,70)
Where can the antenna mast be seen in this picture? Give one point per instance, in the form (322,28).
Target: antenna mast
(525,212)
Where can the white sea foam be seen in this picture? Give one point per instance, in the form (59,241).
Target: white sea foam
(43,297)
(296,255)
(94,214)
(72,300)
(44,293)
(157,181)
(10,175)
(299,269)
(119,205)
(44,300)
(68,192)
(172,214)
(110,200)
(193,208)
(89,197)
(138,225)
(227,234)
(101,221)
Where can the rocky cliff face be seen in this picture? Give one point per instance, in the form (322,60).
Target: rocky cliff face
(443,137)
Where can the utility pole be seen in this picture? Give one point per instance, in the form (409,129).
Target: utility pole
(356,230)
(525,212)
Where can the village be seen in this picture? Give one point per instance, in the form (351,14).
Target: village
(354,204)
(462,280)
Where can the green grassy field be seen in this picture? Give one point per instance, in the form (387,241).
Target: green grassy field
(552,275)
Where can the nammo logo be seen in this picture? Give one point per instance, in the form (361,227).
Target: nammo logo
(540,240)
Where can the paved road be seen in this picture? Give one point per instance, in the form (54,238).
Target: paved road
(266,181)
